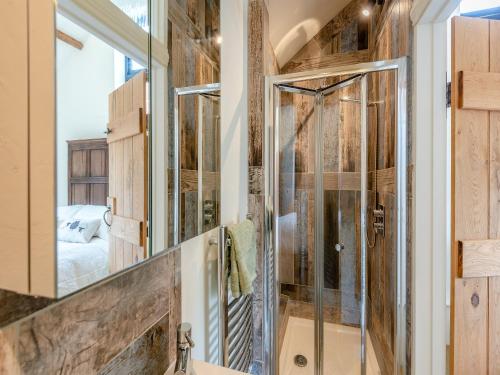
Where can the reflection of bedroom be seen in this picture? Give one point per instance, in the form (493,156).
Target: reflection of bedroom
(88,71)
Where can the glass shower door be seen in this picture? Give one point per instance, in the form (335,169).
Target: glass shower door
(336,149)
(320,258)
(343,165)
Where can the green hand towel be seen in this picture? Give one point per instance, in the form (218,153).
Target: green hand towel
(243,258)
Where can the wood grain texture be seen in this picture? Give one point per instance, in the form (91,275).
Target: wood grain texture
(470,51)
(42,150)
(327,61)
(146,355)
(129,230)
(470,202)
(14,146)
(256,48)
(335,37)
(494,219)
(471,326)
(494,213)
(68,39)
(83,333)
(494,325)
(479,90)
(128,126)
(478,258)
(88,171)
(128,179)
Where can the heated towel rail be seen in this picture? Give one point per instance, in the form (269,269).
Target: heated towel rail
(235,315)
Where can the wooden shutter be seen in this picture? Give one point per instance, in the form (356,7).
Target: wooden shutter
(475,284)
(127,150)
(27,147)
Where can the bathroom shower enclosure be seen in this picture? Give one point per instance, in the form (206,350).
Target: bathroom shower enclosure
(336,203)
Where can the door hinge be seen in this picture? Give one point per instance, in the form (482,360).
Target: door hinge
(448,95)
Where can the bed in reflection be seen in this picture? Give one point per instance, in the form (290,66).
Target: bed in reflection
(81,262)
(82,229)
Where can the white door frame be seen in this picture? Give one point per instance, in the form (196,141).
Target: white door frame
(430,204)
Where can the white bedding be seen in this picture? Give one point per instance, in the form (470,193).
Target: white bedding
(81,264)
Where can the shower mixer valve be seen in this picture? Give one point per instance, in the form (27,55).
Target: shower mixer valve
(379,220)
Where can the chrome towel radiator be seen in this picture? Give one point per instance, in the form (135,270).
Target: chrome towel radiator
(235,315)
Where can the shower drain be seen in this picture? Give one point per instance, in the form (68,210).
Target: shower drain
(300,360)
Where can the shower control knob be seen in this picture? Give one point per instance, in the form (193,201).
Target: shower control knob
(339,247)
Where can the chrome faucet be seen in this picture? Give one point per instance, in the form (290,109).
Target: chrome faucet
(184,365)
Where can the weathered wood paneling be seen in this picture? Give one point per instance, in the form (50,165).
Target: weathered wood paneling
(83,333)
(475,150)
(339,36)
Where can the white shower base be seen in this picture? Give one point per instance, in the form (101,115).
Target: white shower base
(341,352)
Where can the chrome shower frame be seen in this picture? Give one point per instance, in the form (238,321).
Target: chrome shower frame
(273,86)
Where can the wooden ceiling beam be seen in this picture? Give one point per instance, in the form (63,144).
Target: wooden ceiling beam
(69,39)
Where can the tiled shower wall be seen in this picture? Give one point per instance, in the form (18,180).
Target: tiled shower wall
(124,325)
(393,37)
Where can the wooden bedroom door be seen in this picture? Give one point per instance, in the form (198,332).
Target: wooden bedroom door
(128,150)
(475,216)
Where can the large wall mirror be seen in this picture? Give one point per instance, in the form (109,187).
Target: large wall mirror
(135,173)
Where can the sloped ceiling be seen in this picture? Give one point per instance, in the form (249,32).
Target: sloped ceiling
(293,23)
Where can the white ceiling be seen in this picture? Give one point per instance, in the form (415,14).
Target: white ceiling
(294,22)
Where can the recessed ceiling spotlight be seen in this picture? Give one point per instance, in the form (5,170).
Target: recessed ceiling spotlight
(218,39)
(365,12)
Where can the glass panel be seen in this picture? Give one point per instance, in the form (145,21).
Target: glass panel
(334,302)
(296,230)
(342,240)
(137,10)
(198,119)
(210,160)
(381,245)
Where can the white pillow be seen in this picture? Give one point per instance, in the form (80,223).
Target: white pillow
(78,230)
(95,212)
(67,212)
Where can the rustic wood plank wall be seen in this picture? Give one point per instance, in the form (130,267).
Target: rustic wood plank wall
(261,61)
(123,325)
(344,37)
(390,38)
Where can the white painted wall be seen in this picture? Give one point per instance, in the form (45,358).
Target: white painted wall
(198,259)
(199,294)
(430,140)
(84,79)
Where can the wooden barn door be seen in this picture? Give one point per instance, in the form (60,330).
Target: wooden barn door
(475,284)
(127,141)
